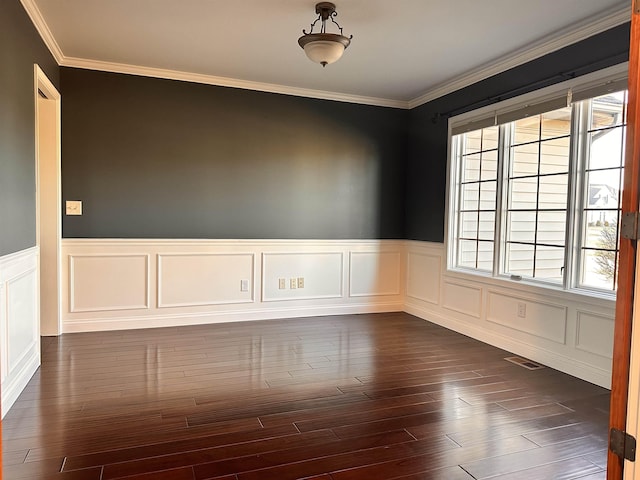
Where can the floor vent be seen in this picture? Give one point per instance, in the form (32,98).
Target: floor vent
(523,362)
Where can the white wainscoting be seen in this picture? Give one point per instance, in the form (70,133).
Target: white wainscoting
(462,298)
(121,284)
(153,283)
(541,319)
(570,332)
(108,282)
(375,273)
(422,284)
(322,275)
(19,323)
(187,279)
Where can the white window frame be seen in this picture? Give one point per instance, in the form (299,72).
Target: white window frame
(489,116)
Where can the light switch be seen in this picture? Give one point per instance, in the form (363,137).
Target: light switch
(73,207)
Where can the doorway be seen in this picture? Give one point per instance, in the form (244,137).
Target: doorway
(48,203)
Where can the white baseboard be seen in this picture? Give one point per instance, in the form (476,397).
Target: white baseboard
(186,319)
(544,356)
(16,383)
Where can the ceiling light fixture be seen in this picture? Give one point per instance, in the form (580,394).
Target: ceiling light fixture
(324,48)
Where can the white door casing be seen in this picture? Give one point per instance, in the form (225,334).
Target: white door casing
(48,203)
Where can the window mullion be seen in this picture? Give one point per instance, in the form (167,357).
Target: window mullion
(504,137)
(581,191)
(575,194)
(457,158)
(479,198)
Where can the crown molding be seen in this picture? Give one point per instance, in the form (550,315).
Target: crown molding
(229,82)
(43,29)
(571,35)
(565,38)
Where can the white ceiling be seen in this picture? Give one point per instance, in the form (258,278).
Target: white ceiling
(403,52)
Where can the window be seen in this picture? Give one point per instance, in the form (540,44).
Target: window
(535,191)
(602,191)
(478,186)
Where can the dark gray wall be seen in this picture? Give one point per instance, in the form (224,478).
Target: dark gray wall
(154,158)
(427,163)
(20,48)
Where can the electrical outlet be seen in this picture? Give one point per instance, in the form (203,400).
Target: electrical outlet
(293,283)
(300,282)
(282,283)
(244,285)
(522,309)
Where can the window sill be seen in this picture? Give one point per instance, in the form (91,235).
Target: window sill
(585,296)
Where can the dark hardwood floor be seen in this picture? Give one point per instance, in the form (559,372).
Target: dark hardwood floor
(386,396)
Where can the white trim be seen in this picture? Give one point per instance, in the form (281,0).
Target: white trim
(453,308)
(229,82)
(572,295)
(434,301)
(398,275)
(578,345)
(43,29)
(17,372)
(42,83)
(571,35)
(13,387)
(584,30)
(564,363)
(324,295)
(520,328)
(185,319)
(11,259)
(285,243)
(145,306)
(266,254)
(161,304)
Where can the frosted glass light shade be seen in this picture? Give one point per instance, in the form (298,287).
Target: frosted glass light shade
(324,48)
(323,51)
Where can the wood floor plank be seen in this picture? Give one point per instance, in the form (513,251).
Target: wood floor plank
(362,456)
(205,455)
(32,470)
(423,463)
(564,433)
(185,473)
(411,422)
(447,473)
(293,463)
(94,473)
(568,469)
(380,396)
(168,448)
(503,426)
(516,462)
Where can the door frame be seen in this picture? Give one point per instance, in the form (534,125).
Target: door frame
(51,297)
(621,395)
